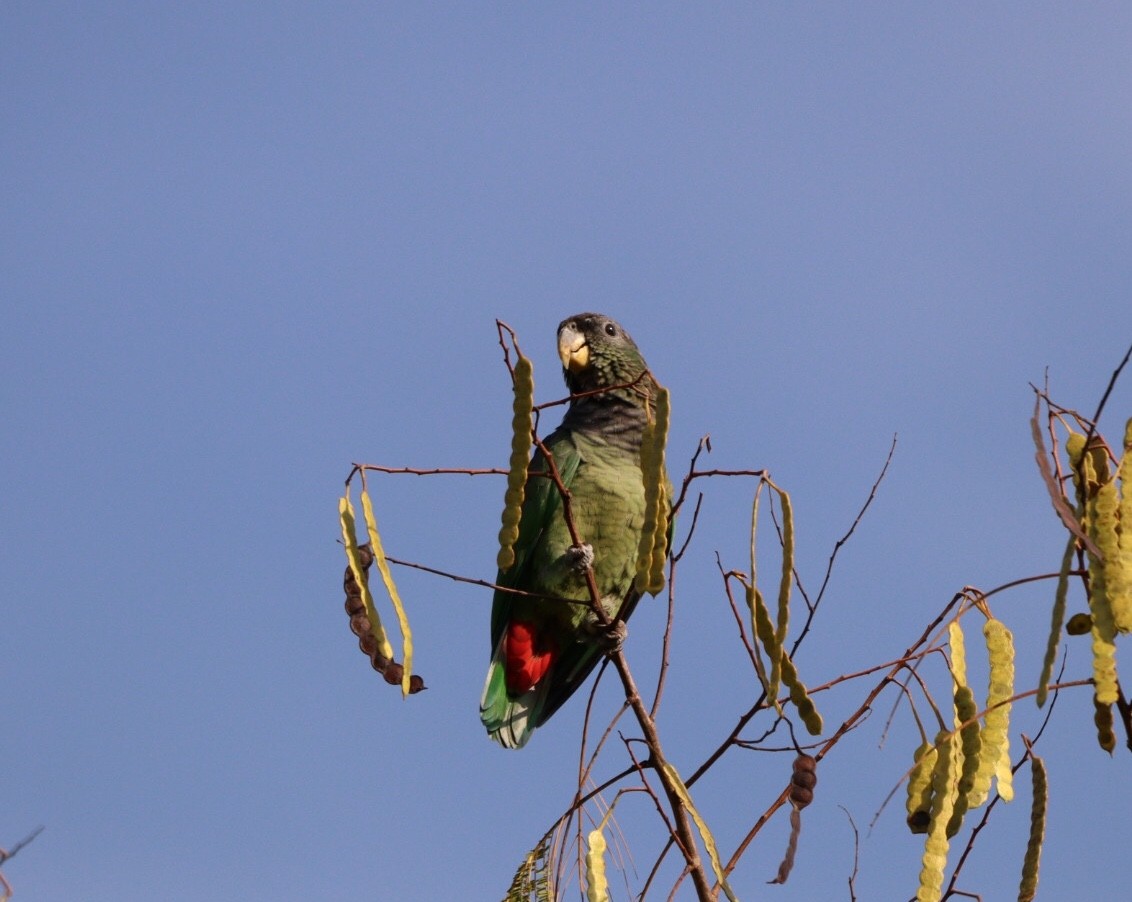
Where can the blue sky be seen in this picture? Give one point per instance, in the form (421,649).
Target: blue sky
(243,245)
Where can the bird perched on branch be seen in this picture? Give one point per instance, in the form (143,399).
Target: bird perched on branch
(544,648)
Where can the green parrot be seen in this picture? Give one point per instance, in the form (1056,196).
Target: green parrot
(542,649)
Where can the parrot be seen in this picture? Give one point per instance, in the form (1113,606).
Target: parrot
(544,648)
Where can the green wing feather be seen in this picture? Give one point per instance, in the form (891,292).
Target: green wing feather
(541,504)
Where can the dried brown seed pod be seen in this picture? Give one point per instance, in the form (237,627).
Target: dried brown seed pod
(393,673)
(359,624)
(801,797)
(804,778)
(368,644)
(805,763)
(354,604)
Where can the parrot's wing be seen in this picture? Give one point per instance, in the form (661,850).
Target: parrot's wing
(541,503)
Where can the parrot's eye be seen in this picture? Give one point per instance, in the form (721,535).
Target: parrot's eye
(610,329)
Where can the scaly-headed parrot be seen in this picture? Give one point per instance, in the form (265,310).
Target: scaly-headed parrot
(543,649)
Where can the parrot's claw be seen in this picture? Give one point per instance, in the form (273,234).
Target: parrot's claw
(615,635)
(611,637)
(581,557)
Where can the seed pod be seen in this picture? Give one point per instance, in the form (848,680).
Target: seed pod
(522,406)
(1028,887)
(1075,448)
(970,743)
(390,588)
(958,648)
(805,763)
(354,556)
(1102,718)
(994,756)
(1120,565)
(919,803)
(1057,617)
(1100,516)
(597,887)
(676,785)
(943,799)
(787,578)
(660,540)
(1079,624)
(800,697)
(761,626)
(652,548)
(764,631)
(803,780)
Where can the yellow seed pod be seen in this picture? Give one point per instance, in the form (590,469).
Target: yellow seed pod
(943,800)
(511,512)
(648,527)
(522,406)
(782,622)
(764,630)
(1094,469)
(787,578)
(1096,457)
(652,548)
(507,538)
(660,543)
(1075,448)
(919,802)
(350,540)
(1028,887)
(1104,652)
(994,756)
(597,887)
(1057,617)
(970,744)
(800,697)
(1118,564)
(958,653)
(390,587)
(674,783)
(1102,717)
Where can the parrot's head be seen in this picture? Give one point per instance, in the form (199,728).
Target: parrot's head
(597,353)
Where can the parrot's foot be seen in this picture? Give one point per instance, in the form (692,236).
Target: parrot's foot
(580,557)
(611,637)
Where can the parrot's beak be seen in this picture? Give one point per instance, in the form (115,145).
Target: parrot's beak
(573,349)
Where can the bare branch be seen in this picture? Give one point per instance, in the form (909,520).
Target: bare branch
(6,854)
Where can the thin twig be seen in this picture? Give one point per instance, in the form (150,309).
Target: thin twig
(666,642)
(1108,391)
(856,522)
(856,854)
(434,471)
(7,854)
(483,582)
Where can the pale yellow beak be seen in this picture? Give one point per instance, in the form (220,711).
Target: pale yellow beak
(573,350)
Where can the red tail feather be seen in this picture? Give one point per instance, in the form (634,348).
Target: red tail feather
(526,659)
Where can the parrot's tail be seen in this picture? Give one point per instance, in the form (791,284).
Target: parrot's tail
(510,721)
